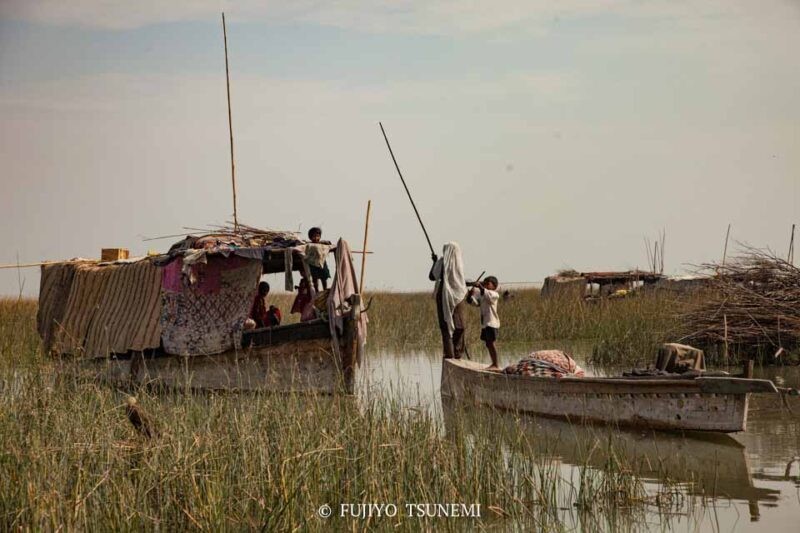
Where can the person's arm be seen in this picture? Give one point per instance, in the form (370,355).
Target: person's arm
(431,274)
(253,309)
(471,297)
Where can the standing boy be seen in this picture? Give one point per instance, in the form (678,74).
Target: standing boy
(316,258)
(486,296)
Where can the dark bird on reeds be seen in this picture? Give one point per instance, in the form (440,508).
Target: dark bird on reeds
(140,420)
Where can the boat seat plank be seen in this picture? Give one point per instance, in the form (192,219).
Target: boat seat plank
(313,329)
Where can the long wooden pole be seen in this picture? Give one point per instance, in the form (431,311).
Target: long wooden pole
(364,248)
(725,251)
(790,257)
(27,265)
(230,123)
(389,146)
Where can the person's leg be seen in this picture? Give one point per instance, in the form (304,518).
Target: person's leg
(325,276)
(458,342)
(459,337)
(447,340)
(493,354)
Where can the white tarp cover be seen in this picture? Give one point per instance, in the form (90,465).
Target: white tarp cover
(449,274)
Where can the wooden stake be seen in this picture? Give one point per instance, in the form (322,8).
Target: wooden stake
(364,248)
(230,123)
(725,251)
(725,346)
(747,368)
(790,257)
(655,256)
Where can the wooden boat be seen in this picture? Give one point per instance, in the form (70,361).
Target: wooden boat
(145,322)
(687,404)
(296,358)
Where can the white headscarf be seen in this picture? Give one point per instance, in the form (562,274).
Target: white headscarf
(454,287)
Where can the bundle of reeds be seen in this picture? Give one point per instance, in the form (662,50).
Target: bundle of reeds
(754,303)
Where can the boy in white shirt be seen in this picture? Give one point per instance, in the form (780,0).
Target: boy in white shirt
(486,296)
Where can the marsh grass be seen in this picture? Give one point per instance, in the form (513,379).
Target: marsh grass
(69,458)
(233,462)
(624,331)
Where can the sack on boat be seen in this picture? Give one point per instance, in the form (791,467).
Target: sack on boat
(549,363)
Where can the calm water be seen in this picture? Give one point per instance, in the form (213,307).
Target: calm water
(755,474)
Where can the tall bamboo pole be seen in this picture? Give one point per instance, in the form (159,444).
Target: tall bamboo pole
(419,218)
(725,251)
(364,248)
(230,124)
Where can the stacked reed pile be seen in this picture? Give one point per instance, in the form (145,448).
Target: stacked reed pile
(754,305)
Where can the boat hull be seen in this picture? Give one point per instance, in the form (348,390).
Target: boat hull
(703,404)
(307,366)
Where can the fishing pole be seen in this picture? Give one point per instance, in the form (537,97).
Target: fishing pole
(466,348)
(389,146)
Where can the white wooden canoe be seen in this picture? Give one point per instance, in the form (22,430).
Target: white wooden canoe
(699,404)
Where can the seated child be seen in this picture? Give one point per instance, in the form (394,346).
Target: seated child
(303,303)
(486,296)
(260,313)
(316,258)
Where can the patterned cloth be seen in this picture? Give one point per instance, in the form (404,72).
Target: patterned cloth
(549,363)
(198,319)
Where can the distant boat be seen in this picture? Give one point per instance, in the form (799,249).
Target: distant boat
(686,404)
(179,319)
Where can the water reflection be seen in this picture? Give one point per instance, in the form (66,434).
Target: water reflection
(753,474)
(701,464)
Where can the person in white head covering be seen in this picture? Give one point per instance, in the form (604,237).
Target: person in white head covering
(450,292)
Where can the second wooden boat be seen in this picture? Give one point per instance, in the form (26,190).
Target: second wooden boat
(686,404)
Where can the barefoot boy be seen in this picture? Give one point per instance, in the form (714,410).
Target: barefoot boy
(316,257)
(485,294)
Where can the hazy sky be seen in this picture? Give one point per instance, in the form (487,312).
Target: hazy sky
(540,135)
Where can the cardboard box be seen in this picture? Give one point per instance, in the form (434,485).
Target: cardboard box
(113,254)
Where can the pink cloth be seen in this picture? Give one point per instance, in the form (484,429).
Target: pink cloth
(344,285)
(171,276)
(207,276)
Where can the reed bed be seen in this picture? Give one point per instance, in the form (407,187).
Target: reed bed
(617,332)
(70,459)
(753,306)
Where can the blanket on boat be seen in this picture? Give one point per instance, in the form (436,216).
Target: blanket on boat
(548,363)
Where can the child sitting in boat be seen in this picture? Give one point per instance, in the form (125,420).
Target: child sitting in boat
(549,363)
(264,316)
(486,296)
(303,303)
(316,258)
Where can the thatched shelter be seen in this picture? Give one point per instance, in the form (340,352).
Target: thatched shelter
(192,300)
(577,285)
